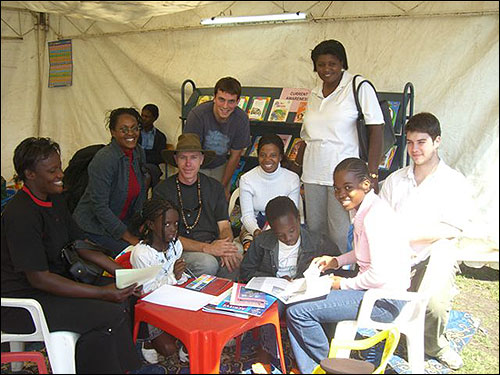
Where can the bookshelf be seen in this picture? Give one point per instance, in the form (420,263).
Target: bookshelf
(403,102)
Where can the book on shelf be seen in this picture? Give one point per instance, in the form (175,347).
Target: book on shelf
(204,98)
(301,111)
(312,285)
(286,138)
(241,296)
(226,305)
(294,149)
(258,108)
(394,109)
(279,110)
(254,146)
(243,102)
(237,174)
(388,158)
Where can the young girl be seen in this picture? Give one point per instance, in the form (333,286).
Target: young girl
(156,225)
(383,257)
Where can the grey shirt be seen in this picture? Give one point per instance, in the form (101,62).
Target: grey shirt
(99,208)
(234,134)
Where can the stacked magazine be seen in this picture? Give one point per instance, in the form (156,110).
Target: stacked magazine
(240,302)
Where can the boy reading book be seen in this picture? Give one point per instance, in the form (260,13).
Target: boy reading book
(286,250)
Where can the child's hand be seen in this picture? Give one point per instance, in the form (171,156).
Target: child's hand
(179,268)
(326,262)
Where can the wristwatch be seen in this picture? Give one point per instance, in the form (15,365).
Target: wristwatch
(373,175)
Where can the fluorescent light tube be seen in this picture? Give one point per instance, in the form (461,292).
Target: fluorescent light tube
(247,19)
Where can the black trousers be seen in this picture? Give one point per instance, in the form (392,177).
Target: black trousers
(105,344)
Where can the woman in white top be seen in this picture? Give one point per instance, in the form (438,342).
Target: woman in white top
(263,183)
(329,130)
(157,227)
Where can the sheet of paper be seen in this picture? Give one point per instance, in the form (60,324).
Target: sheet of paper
(126,277)
(181,298)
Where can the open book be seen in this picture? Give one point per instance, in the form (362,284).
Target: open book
(309,287)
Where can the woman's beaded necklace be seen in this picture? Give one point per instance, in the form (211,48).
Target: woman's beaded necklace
(183,216)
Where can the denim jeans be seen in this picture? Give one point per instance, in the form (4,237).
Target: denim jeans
(308,339)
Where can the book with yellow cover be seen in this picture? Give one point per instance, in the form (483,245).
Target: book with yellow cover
(243,102)
(259,108)
(279,110)
(204,98)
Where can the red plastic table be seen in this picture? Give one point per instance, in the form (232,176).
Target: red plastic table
(204,334)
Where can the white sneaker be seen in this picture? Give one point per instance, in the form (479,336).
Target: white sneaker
(150,355)
(451,359)
(183,355)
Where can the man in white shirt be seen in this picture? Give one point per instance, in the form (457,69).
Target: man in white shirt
(435,204)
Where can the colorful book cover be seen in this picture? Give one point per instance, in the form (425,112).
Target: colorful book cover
(204,98)
(388,158)
(301,111)
(279,110)
(259,108)
(243,103)
(294,149)
(394,109)
(225,304)
(286,138)
(240,296)
(236,174)
(254,147)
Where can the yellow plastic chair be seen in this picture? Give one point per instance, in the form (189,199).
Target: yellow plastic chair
(391,336)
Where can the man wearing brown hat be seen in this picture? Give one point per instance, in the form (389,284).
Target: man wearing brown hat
(204,227)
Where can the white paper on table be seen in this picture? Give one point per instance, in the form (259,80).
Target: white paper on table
(181,298)
(126,277)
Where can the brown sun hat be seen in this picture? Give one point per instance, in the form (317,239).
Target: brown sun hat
(188,142)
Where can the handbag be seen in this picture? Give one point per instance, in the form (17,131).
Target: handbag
(389,138)
(81,270)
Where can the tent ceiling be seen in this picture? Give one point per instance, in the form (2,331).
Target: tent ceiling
(110,11)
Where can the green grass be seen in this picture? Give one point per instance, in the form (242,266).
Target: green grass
(479,291)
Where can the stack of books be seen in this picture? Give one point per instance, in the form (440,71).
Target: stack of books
(241,302)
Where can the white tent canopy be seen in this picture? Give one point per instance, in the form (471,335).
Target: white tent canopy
(137,52)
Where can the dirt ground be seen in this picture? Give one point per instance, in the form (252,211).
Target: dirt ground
(479,297)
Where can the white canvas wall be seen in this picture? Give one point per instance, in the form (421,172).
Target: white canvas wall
(452,62)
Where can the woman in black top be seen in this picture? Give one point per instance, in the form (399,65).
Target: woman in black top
(35,226)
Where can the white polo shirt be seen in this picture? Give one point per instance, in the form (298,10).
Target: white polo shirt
(442,197)
(329,128)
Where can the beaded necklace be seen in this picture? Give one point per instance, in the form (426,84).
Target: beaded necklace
(183,216)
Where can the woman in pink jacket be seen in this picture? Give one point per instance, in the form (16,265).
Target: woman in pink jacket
(381,253)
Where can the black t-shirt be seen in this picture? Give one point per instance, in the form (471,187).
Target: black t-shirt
(213,206)
(32,235)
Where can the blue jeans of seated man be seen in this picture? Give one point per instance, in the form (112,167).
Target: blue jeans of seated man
(304,320)
(113,246)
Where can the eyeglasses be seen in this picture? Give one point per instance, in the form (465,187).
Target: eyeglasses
(133,129)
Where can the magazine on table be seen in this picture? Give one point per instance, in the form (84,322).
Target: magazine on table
(311,286)
(226,305)
(242,296)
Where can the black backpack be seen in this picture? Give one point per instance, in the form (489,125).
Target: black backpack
(389,138)
(76,176)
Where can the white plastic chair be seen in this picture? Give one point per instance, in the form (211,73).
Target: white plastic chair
(232,201)
(410,322)
(60,345)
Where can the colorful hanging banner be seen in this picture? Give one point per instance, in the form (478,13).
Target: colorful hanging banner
(60,63)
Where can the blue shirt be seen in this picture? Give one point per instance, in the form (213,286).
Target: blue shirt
(148,138)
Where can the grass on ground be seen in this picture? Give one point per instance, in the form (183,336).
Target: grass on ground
(479,297)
